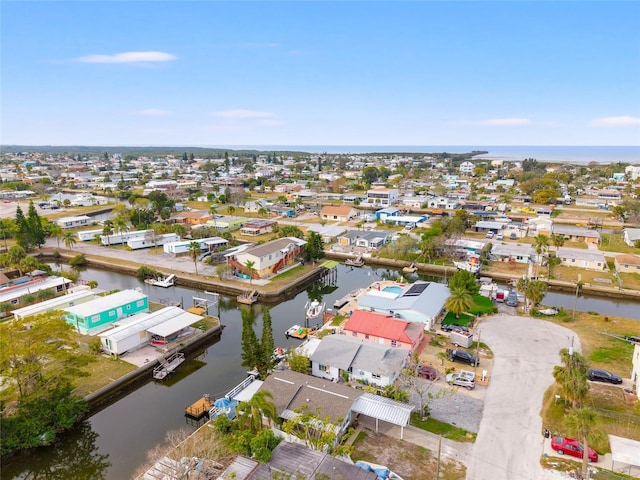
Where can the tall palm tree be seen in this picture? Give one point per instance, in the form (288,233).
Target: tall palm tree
(69,240)
(572,377)
(558,241)
(194,250)
(55,231)
(250,413)
(107,230)
(541,244)
(459,301)
(121,225)
(583,424)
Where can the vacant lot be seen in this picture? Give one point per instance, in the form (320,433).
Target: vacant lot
(410,461)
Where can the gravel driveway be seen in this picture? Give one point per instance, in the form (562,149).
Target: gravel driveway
(509,443)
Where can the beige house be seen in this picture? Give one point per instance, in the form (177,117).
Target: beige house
(627,263)
(339,213)
(588,259)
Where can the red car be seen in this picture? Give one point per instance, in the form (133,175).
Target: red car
(572,447)
(427,372)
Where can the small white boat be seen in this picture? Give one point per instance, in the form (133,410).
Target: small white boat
(548,311)
(292,330)
(168,281)
(354,262)
(314,309)
(383,472)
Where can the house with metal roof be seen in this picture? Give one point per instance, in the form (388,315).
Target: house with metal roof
(268,258)
(512,252)
(370,240)
(155,328)
(57,303)
(576,257)
(384,330)
(576,234)
(417,302)
(13,293)
(97,315)
(631,236)
(258,226)
(362,361)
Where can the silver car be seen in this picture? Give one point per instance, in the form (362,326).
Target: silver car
(463,379)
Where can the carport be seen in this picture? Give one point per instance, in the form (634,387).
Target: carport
(383,409)
(625,455)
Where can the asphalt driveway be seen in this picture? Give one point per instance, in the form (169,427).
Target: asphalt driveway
(510,441)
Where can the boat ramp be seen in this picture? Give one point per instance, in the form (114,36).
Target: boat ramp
(167,365)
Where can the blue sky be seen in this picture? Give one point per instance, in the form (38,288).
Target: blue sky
(320,73)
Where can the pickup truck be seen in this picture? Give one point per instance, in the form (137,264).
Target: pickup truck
(462,378)
(463,356)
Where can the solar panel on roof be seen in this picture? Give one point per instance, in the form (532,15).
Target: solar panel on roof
(416,289)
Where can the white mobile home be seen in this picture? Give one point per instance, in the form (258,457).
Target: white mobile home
(152,241)
(87,235)
(122,237)
(133,332)
(73,222)
(57,303)
(205,244)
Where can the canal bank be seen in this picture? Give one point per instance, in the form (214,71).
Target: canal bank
(446,271)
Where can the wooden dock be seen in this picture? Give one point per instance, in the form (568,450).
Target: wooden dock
(167,365)
(200,408)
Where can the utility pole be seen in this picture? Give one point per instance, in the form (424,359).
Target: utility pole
(439,450)
(475,366)
(575,301)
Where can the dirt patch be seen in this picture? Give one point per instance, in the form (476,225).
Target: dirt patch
(410,461)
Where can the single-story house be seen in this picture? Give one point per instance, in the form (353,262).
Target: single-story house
(257,226)
(631,236)
(329,233)
(488,226)
(254,206)
(98,314)
(226,222)
(627,263)
(14,294)
(576,234)
(136,331)
(385,213)
(417,302)
(73,222)
(512,252)
(540,226)
(340,213)
(57,303)
(412,220)
(466,246)
(575,257)
(209,244)
(371,240)
(193,217)
(362,361)
(384,330)
(268,258)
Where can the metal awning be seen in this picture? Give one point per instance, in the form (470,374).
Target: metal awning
(174,325)
(382,408)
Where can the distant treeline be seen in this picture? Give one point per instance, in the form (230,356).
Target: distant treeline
(141,151)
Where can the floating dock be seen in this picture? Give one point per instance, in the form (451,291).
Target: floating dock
(199,408)
(167,365)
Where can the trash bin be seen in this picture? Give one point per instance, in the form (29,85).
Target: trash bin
(547,433)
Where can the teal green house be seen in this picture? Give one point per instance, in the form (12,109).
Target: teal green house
(98,315)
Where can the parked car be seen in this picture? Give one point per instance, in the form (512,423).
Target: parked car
(449,327)
(500,236)
(429,373)
(512,298)
(513,236)
(599,375)
(463,379)
(490,234)
(463,356)
(572,447)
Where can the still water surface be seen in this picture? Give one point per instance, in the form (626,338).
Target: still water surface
(113,443)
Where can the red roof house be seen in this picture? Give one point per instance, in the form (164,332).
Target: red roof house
(384,330)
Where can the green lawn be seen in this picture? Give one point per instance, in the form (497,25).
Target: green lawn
(451,319)
(441,428)
(483,305)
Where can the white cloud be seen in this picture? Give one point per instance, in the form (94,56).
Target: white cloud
(152,112)
(129,57)
(240,113)
(505,122)
(624,121)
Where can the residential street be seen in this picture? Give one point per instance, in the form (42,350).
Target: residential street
(509,443)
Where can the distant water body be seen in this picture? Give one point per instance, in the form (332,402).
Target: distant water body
(556,154)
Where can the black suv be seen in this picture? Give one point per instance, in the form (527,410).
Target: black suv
(463,356)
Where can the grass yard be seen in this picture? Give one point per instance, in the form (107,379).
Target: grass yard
(615,243)
(512,268)
(441,428)
(570,274)
(451,319)
(483,306)
(630,280)
(102,372)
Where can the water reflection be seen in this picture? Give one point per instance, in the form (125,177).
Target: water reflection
(76,455)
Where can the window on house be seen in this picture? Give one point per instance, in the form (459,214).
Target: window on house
(95,318)
(354,334)
(140,303)
(375,375)
(112,313)
(573,260)
(322,368)
(394,343)
(366,336)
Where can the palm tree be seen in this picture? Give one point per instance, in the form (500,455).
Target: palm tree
(121,225)
(250,413)
(250,270)
(69,240)
(55,231)
(459,302)
(231,209)
(541,244)
(107,230)
(558,241)
(572,377)
(194,250)
(583,424)
(535,292)
(262,212)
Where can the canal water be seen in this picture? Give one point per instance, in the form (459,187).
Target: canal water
(113,443)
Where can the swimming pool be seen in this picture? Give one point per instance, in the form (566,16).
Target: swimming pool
(392,289)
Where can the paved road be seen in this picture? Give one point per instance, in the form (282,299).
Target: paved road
(510,442)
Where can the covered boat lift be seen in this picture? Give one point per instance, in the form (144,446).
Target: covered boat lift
(385,409)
